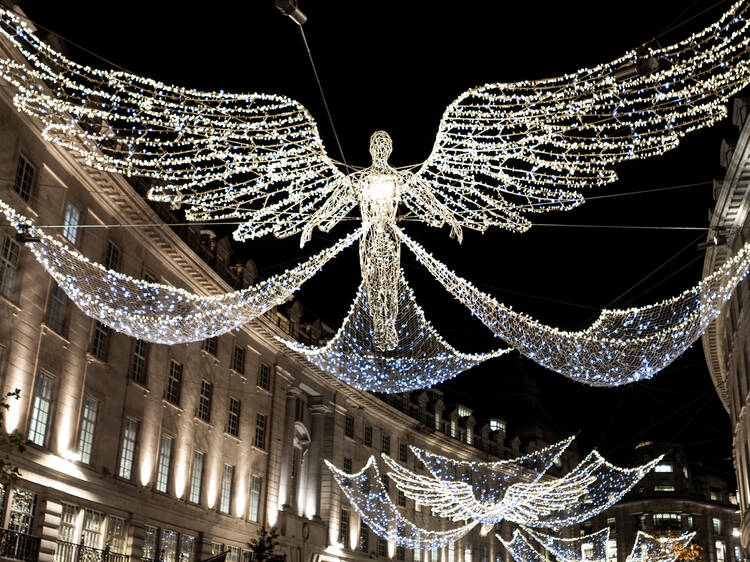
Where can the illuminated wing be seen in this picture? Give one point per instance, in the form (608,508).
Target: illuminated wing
(503,150)
(252,157)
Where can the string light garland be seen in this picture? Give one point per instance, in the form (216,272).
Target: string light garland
(584,547)
(522,496)
(420,359)
(501,151)
(621,346)
(156,312)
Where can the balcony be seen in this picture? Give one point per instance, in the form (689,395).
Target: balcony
(72,552)
(18,546)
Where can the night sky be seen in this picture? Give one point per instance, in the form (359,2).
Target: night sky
(385,65)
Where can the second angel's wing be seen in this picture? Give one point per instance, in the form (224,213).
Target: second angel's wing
(503,150)
(253,157)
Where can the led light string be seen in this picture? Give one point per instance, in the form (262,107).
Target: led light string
(420,360)
(621,346)
(592,547)
(156,312)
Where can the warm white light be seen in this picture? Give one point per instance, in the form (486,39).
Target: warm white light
(379,188)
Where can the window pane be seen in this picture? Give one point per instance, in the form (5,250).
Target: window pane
(116,534)
(21,511)
(111,256)
(174,382)
(91,533)
(24,178)
(196,477)
(165,459)
(149,543)
(233,420)
(138,364)
(238,359)
(226,489)
(86,433)
(100,341)
(260,431)
(8,263)
(56,308)
(254,511)
(127,452)
(41,410)
(204,401)
(71,222)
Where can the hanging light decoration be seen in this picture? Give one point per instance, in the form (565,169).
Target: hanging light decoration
(502,150)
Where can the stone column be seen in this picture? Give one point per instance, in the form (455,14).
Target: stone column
(285,493)
(318,412)
(50,527)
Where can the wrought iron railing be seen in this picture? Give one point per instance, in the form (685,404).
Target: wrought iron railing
(72,552)
(18,546)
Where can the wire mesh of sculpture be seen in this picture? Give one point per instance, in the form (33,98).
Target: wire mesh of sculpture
(502,150)
(156,312)
(533,546)
(591,487)
(621,346)
(491,479)
(368,496)
(421,357)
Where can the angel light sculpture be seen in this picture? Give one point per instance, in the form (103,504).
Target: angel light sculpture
(502,151)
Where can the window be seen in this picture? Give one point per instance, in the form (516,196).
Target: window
(196,477)
(203,412)
(56,308)
(227,477)
(164,462)
(138,363)
(93,526)
(612,524)
(738,554)
(116,534)
(233,418)
(168,546)
(149,542)
(187,547)
(255,486)
(401,499)
(349,426)
(418,555)
(344,527)
(348,465)
(368,436)
(238,360)
(67,530)
(667,521)
(86,429)
(664,488)
(21,511)
(24,178)
(385,447)
(611,550)
(210,345)
(401,553)
(71,221)
(364,538)
(41,410)
(111,256)
(403,453)
(484,554)
(435,555)
(8,264)
(174,382)
(716,524)
(468,553)
(100,341)
(721,551)
(691,522)
(127,452)
(382,547)
(260,431)
(663,468)
(715,495)
(264,376)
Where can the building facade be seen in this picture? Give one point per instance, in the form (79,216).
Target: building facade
(152,452)
(726,342)
(671,498)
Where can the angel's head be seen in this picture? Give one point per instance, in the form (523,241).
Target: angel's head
(381,145)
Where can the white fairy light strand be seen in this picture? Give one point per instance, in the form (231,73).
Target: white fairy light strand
(156,312)
(367,495)
(420,359)
(621,346)
(591,547)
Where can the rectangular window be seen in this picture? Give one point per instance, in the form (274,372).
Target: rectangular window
(116,534)
(112,256)
(368,436)
(86,429)
(435,555)
(196,477)
(611,550)
(100,341)
(364,538)
(386,445)
(612,524)
(264,376)
(8,264)
(210,345)
(401,553)
(138,364)
(21,511)
(233,418)
(344,528)
(168,546)
(164,463)
(149,543)
(348,465)
(24,178)
(403,453)
(71,221)
(664,467)
(56,304)
(349,426)
(67,530)
(203,412)
(227,477)
(187,547)
(401,499)
(716,524)
(382,547)
(238,360)
(41,410)
(667,521)
(663,488)
(418,555)
(260,431)
(127,452)
(484,554)
(691,522)
(254,511)
(721,551)
(93,526)
(174,382)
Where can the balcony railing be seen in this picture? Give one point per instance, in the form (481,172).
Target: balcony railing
(72,552)
(18,546)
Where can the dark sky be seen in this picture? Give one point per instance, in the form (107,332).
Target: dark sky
(395,65)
